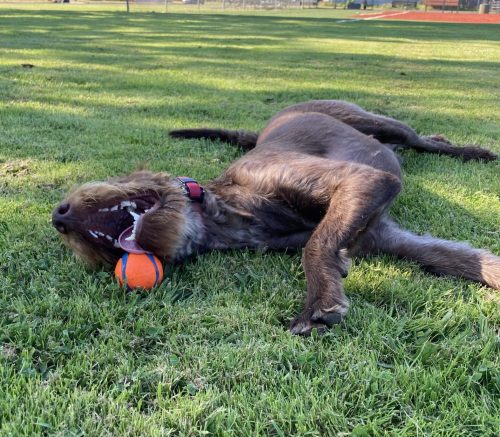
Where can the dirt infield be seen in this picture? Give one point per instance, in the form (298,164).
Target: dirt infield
(444,17)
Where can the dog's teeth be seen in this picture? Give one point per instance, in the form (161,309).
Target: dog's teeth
(131,238)
(127,204)
(93,234)
(114,208)
(116,244)
(134,214)
(109,237)
(99,233)
(104,210)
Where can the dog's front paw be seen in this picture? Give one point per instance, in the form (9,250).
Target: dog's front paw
(317,319)
(302,325)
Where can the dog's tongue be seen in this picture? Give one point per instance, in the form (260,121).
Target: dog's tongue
(128,244)
(127,239)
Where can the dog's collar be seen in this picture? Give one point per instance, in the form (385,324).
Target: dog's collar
(194,191)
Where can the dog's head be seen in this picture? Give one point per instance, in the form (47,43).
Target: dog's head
(94,215)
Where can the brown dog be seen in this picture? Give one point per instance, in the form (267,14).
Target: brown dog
(321,175)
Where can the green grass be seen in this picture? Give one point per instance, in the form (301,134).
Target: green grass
(208,352)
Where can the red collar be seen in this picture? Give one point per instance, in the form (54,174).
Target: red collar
(193,189)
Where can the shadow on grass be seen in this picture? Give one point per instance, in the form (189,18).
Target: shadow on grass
(117,68)
(104,23)
(98,37)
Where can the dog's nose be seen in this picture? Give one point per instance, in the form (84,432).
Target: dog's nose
(60,217)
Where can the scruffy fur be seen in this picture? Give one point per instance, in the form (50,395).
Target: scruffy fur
(320,176)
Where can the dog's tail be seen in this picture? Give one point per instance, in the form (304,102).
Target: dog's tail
(437,256)
(245,139)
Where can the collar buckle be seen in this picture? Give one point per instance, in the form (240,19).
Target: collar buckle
(193,189)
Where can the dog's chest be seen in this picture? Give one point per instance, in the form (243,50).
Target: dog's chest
(265,224)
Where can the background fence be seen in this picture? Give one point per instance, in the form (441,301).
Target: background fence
(206,5)
(228,4)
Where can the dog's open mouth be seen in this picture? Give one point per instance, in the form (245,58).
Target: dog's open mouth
(120,223)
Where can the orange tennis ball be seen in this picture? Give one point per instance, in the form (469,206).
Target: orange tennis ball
(139,270)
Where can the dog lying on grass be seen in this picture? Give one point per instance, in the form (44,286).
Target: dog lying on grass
(321,176)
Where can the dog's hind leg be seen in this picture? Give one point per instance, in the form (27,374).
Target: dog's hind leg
(437,256)
(385,129)
(388,130)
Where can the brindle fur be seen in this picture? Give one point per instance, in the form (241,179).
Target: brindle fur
(321,175)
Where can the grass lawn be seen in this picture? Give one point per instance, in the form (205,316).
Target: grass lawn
(208,352)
